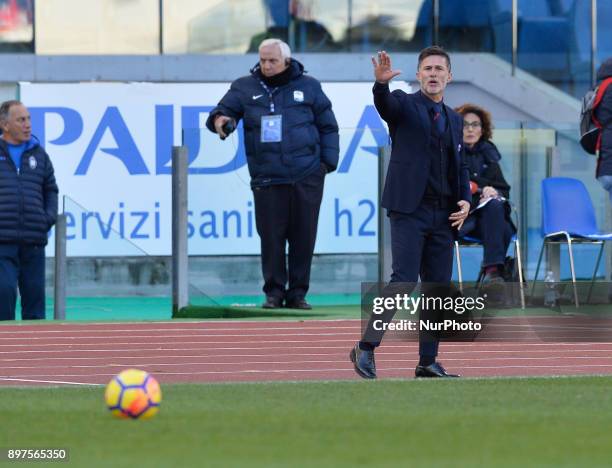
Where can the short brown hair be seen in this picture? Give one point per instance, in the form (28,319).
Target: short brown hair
(483,115)
(434,50)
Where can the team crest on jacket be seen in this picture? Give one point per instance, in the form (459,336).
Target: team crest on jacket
(32,162)
(298,96)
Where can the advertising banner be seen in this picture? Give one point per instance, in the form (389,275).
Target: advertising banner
(111,146)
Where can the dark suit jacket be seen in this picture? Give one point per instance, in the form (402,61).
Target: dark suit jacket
(603,113)
(410,130)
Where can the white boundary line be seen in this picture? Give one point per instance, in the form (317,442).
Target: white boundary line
(342,369)
(288,343)
(41,330)
(197,335)
(291,363)
(72,346)
(203,321)
(11,379)
(336,353)
(519,347)
(297,332)
(211,331)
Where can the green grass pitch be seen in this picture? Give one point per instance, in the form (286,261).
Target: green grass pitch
(555,422)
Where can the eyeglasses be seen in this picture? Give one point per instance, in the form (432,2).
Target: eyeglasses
(474,125)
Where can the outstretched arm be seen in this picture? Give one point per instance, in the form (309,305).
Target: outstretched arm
(383,71)
(386,103)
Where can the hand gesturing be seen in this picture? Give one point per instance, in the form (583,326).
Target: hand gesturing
(382,68)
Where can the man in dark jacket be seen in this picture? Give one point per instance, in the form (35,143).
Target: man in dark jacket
(28,209)
(291,141)
(603,114)
(426,194)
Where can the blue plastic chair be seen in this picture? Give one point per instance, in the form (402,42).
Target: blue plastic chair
(469,241)
(568,217)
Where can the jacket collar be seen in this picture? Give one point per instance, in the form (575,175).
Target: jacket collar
(297,70)
(423,110)
(30,144)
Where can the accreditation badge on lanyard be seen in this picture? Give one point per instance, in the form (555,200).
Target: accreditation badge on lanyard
(271,125)
(271,128)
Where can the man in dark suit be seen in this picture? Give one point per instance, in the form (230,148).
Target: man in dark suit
(426,194)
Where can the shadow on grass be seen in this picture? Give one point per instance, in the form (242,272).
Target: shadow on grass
(210,311)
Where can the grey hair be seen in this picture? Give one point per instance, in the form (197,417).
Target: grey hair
(283,46)
(5,108)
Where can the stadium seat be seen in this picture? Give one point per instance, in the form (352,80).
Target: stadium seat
(456,13)
(548,59)
(462,26)
(580,26)
(568,217)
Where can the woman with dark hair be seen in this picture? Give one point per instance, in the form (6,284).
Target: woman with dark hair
(489,220)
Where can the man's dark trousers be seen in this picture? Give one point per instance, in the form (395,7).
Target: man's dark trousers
(24,266)
(288,213)
(421,245)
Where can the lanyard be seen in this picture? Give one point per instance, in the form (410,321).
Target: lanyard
(270,92)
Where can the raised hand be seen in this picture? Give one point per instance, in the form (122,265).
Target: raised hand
(383,73)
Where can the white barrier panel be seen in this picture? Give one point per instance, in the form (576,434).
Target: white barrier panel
(110,144)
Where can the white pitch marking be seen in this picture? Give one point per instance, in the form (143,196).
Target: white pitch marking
(212,332)
(157,349)
(83,337)
(188,356)
(181,322)
(342,369)
(203,334)
(170,329)
(50,381)
(259,363)
(68,345)
(412,346)
(497,343)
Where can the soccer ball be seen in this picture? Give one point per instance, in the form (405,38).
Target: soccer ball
(133,394)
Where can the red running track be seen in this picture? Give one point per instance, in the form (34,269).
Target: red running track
(234,351)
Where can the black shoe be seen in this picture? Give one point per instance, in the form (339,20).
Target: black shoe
(272,302)
(298,304)
(433,370)
(492,277)
(493,285)
(364,362)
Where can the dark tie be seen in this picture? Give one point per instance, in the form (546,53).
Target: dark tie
(438,118)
